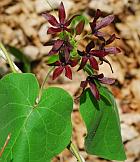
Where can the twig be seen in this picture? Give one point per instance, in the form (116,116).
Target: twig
(5,144)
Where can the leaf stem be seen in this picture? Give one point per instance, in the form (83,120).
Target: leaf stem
(8,58)
(75,152)
(43,84)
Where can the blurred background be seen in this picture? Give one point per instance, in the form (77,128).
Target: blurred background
(24,31)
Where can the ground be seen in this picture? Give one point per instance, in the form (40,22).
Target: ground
(22,26)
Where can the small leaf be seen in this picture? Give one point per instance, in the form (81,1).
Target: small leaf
(103,125)
(52,59)
(37,132)
(77,19)
(79,28)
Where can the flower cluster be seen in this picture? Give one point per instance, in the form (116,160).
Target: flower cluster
(65,46)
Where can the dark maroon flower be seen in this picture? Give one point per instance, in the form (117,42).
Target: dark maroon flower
(109,50)
(96,26)
(62,65)
(61,46)
(62,24)
(89,54)
(92,84)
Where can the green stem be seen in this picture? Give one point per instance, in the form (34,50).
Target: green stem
(8,58)
(75,152)
(88,69)
(43,84)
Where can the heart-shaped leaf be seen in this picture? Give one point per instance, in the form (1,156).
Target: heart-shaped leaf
(103,125)
(37,132)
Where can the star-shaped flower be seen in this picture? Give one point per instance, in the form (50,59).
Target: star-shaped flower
(63,65)
(60,46)
(109,50)
(92,84)
(96,26)
(89,54)
(62,24)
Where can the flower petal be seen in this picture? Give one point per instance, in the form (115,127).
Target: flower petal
(98,53)
(68,72)
(51,19)
(49,43)
(111,39)
(90,46)
(105,60)
(61,13)
(52,52)
(92,26)
(52,30)
(93,63)
(83,63)
(93,23)
(80,26)
(70,20)
(97,14)
(67,54)
(100,34)
(83,84)
(104,22)
(112,50)
(73,63)
(80,53)
(94,91)
(58,71)
(106,80)
(57,44)
(68,30)
(100,76)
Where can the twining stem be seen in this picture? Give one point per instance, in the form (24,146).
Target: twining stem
(43,84)
(8,58)
(75,152)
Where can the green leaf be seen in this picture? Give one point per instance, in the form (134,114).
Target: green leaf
(78,19)
(20,56)
(103,125)
(52,59)
(38,132)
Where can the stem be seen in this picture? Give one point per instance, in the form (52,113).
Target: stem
(75,152)
(8,58)
(43,84)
